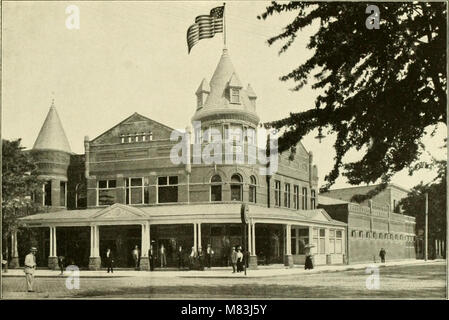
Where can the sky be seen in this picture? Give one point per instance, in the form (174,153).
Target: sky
(131,57)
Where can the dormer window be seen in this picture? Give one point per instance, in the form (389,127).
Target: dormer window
(235,95)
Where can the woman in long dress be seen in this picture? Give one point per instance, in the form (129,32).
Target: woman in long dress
(309,263)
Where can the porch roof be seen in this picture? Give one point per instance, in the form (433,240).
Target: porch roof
(178,213)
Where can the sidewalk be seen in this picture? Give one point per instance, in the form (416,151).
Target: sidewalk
(219,272)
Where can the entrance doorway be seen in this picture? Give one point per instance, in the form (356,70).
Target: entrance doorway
(121,240)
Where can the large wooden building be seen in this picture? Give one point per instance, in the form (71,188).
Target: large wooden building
(126,190)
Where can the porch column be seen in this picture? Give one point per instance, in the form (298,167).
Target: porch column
(14,263)
(94,259)
(195,238)
(288,260)
(253,257)
(249,235)
(327,245)
(199,236)
(144,260)
(53,258)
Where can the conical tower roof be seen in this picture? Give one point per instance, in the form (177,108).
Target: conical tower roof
(52,135)
(218,100)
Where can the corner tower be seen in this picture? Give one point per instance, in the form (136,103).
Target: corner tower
(224,102)
(51,152)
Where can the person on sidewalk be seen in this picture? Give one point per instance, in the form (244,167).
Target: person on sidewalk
(136,254)
(234,259)
(382,254)
(109,260)
(192,258)
(239,259)
(30,266)
(61,264)
(209,254)
(180,257)
(308,265)
(163,256)
(200,259)
(151,256)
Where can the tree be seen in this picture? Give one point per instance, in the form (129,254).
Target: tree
(383,89)
(414,204)
(19,182)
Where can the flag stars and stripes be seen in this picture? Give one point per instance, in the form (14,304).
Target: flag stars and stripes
(205,26)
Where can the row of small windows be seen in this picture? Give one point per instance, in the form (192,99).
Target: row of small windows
(136,137)
(375,235)
(288,199)
(237,133)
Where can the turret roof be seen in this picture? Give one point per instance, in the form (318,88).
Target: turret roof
(52,135)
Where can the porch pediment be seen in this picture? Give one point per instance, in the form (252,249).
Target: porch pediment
(119,211)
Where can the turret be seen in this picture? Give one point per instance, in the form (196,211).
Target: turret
(51,152)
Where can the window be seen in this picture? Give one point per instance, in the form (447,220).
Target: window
(360,234)
(315,240)
(46,188)
(287,195)
(304,198)
(215,188)
(236,188)
(167,190)
(354,234)
(235,133)
(235,95)
(331,241)
(277,193)
(134,190)
(374,235)
(215,134)
(252,189)
(251,136)
(122,138)
(312,199)
(338,241)
(295,197)
(62,193)
(322,241)
(368,234)
(106,192)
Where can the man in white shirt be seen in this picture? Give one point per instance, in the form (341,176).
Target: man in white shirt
(136,256)
(30,266)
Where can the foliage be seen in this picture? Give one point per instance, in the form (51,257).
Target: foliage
(382,89)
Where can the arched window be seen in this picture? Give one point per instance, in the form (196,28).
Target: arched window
(252,189)
(361,234)
(374,235)
(215,188)
(396,237)
(236,188)
(381,235)
(354,233)
(368,234)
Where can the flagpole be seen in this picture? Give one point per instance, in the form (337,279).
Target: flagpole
(224,24)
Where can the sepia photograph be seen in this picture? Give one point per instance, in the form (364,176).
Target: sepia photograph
(210,150)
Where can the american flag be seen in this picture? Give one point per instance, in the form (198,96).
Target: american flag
(205,26)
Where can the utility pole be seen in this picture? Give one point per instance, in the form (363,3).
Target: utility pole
(426,234)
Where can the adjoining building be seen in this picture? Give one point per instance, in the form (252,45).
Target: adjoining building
(373,224)
(125,190)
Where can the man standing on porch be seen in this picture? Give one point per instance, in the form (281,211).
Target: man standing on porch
(163,256)
(30,266)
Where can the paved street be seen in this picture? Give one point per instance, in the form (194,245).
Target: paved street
(407,281)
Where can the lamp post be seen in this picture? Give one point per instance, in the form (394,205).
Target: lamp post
(426,231)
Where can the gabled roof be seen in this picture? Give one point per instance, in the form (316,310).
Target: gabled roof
(135,117)
(235,81)
(250,91)
(204,87)
(52,135)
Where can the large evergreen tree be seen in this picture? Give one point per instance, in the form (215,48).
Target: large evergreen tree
(382,89)
(19,183)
